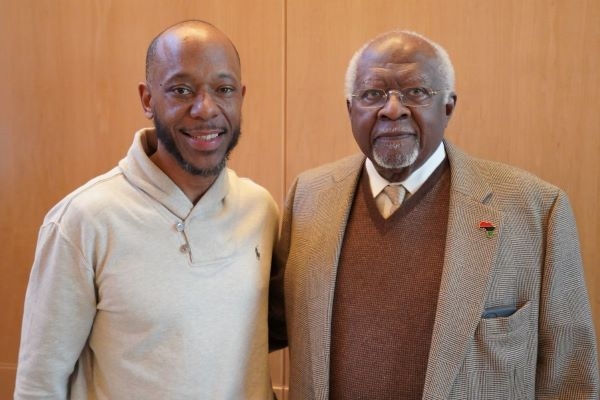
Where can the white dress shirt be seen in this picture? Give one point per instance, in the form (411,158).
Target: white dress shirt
(414,181)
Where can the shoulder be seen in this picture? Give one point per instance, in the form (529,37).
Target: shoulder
(89,199)
(251,192)
(507,182)
(332,172)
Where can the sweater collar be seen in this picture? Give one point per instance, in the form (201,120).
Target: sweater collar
(139,169)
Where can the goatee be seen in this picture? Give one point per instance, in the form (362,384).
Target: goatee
(167,140)
(394,156)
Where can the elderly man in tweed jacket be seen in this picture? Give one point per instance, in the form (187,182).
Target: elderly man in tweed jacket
(464,282)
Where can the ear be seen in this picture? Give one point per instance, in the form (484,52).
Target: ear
(146,99)
(450,104)
(243,91)
(348,106)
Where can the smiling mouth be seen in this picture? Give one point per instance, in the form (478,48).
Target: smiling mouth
(206,137)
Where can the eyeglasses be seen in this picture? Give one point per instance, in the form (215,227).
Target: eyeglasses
(410,97)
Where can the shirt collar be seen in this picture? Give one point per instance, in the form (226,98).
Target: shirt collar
(414,181)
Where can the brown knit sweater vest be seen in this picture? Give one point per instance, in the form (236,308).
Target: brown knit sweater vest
(386,293)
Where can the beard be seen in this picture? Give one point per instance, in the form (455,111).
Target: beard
(167,140)
(393,156)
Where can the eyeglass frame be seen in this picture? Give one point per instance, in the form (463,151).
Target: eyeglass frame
(401,96)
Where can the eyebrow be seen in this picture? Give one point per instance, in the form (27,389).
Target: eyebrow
(179,76)
(176,77)
(227,75)
(418,80)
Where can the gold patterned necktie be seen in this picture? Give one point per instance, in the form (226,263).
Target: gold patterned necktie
(396,194)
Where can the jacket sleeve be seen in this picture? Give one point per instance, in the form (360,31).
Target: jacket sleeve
(60,306)
(567,359)
(277,323)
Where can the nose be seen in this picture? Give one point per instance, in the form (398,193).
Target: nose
(393,108)
(204,107)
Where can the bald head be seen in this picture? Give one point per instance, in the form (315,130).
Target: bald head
(395,45)
(194,94)
(185,29)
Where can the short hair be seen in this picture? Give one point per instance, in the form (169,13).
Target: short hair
(446,69)
(152,47)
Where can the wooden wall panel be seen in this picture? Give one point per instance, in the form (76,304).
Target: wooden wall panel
(526,79)
(69,107)
(527,83)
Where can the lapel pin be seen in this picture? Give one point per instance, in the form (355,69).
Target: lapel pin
(488,227)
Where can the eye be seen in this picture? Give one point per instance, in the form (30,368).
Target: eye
(226,91)
(416,93)
(181,90)
(372,95)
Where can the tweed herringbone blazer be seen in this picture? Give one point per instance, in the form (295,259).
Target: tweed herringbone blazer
(531,261)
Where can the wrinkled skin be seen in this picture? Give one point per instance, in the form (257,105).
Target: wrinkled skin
(396,138)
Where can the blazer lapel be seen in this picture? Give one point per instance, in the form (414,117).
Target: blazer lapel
(332,208)
(325,206)
(469,260)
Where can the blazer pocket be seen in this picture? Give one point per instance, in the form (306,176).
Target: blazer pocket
(500,327)
(496,363)
(501,343)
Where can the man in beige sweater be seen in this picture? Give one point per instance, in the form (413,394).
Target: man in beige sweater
(151,281)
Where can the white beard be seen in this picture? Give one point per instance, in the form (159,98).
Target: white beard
(394,157)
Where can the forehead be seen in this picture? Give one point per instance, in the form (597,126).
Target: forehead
(195,53)
(399,60)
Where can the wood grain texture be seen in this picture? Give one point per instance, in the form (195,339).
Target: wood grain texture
(527,84)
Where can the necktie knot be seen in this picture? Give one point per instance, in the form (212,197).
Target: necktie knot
(396,194)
